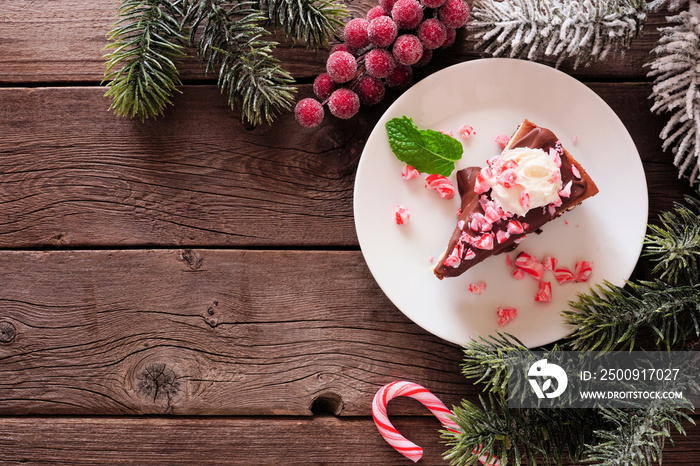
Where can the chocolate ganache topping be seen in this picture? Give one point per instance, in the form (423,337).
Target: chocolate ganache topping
(468,245)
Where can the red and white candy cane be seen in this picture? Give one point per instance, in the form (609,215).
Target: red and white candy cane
(404,446)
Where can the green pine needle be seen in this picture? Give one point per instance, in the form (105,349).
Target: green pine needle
(230,41)
(141,67)
(611,317)
(149,39)
(313,21)
(526,436)
(636,437)
(486,360)
(675,243)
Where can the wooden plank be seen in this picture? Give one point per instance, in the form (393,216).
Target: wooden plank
(209,332)
(317,440)
(46,41)
(73,175)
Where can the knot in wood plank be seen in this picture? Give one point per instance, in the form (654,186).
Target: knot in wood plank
(212,317)
(327,403)
(158,382)
(7,332)
(192,258)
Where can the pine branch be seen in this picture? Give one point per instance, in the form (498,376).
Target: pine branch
(533,29)
(671,5)
(676,90)
(230,41)
(636,437)
(141,68)
(312,21)
(675,244)
(519,436)
(486,360)
(611,317)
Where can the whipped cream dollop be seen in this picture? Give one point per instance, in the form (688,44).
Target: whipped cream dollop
(521,179)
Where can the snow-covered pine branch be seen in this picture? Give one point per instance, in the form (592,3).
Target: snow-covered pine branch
(586,30)
(670,5)
(676,72)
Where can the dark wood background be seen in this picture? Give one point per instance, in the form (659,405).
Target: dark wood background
(191,290)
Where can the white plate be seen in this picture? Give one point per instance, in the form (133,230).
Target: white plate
(494,96)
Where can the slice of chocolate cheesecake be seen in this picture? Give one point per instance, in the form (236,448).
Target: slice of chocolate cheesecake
(533,181)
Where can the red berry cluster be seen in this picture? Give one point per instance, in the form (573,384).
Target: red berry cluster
(380,51)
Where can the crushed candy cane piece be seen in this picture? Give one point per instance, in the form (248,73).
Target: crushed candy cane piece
(469,255)
(530,265)
(441,185)
(408,172)
(582,271)
(502,140)
(508,178)
(466,131)
(505,315)
(525,199)
(563,275)
(518,274)
(515,227)
(544,292)
(477,288)
(549,262)
(452,261)
(566,190)
(481,184)
(501,236)
(479,222)
(509,261)
(402,215)
(575,171)
(574,139)
(555,153)
(485,241)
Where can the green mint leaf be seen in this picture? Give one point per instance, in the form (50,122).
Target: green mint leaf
(426,150)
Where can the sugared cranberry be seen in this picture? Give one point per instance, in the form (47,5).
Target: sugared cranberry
(407,49)
(379,63)
(449,38)
(324,86)
(355,33)
(387,5)
(400,77)
(454,13)
(341,66)
(344,103)
(375,12)
(407,13)
(308,112)
(382,31)
(432,33)
(425,58)
(370,90)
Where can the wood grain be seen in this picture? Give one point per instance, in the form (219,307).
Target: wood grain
(44,41)
(320,440)
(214,332)
(74,175)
